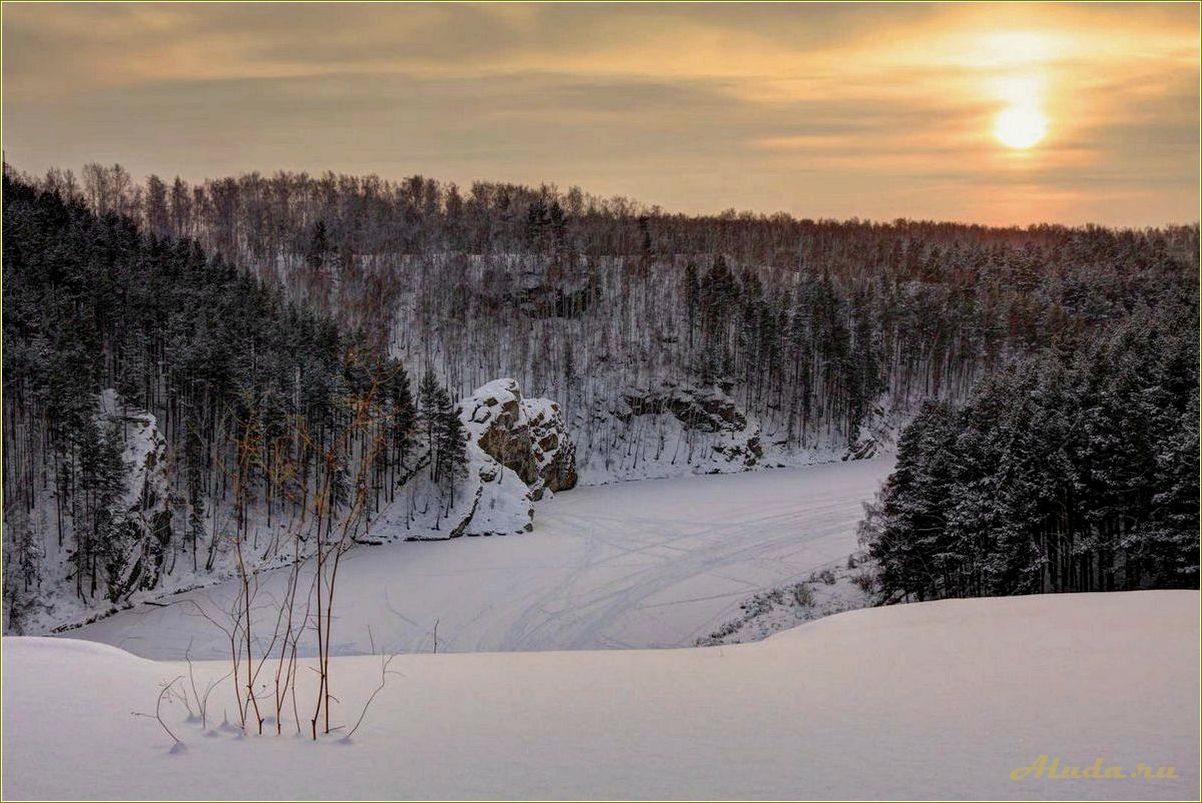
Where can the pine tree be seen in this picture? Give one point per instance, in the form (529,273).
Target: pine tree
(111,540)
(430,399)
(402,420)
(452,448)
(194,466)
(1073,470)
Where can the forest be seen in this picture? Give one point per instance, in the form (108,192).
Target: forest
(819,330)
(1074,470)
(270,326)
(268,410)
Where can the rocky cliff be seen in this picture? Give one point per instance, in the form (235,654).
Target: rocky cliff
(518,451)
(141,515)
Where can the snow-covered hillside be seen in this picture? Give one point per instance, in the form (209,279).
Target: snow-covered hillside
(642,564)
(942,700)
(517,450)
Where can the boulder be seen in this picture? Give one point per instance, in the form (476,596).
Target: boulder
(527,436)
(518,449)
(553,451)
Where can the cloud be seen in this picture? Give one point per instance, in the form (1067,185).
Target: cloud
(874,110)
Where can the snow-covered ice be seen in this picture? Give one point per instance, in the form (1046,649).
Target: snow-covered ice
(931,700)
(643,564)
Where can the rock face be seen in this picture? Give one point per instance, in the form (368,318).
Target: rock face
(143,513)
(735,441)
(518,450)
(671,429)
(704,409)
(526,436)
(554,453)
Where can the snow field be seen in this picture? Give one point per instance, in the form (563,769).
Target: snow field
(939,700)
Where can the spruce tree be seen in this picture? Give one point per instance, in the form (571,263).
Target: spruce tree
(430,399)
(452,447)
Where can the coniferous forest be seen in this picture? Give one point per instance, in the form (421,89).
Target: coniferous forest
(261,404)
(1074,470)
(1040,384)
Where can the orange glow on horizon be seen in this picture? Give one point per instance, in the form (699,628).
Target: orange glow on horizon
(993,113)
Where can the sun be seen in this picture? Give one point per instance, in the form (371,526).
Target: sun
(1020,126)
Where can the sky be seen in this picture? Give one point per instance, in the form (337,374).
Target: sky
(993,113)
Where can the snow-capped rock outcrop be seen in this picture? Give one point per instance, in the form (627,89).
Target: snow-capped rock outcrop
(518,449)
(736,440)
(669,429)
(553,450)
(142,513)
(527,436)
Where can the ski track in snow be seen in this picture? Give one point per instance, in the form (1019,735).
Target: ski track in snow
(641,564)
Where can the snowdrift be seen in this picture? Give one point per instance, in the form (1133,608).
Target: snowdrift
(941,700)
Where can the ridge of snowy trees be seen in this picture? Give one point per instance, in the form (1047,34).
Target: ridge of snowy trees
(255,316)
(1074,470)
(269,410)
(826,333)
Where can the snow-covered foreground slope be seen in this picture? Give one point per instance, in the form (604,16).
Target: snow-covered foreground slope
(645,564)
(938,700)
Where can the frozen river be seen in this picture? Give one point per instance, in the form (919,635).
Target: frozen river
(655,563)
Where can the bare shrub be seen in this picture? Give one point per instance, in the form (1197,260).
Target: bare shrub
(865,580)
(803,595)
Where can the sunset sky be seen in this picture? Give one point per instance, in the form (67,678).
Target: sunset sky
(998,114)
